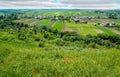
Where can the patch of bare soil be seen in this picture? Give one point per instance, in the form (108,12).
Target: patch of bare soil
(53,24)
(68,30)
(76,30)
(98,31)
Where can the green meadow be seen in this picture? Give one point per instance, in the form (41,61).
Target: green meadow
(58,25)
(57,46)
(25,59)
(88,28)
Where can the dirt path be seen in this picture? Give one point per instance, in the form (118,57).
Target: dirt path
(63,27)
(53,24)
(113,30)
(68,29)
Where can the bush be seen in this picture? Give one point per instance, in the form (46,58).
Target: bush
(117,46)
(37,39)
(41,44)
(49,36)
(108,44)
(93,45)
(7,38)
(21,37)
(60,42)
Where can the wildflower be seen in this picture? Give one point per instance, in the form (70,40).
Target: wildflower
(33,70)
(66,59)
(54,63)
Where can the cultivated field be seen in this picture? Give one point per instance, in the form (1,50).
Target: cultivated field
(29,21)
(58,25)
(37,22)
(62,12)
(88,28)
(80,28)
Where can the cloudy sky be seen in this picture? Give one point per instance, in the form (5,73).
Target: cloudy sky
(60,4)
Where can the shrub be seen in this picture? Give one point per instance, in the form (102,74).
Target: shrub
(21,37)
(49,36)
(41,44)
(37,39)
(93,45)
(60,42)
(108,44)
(7,38)
(117,46)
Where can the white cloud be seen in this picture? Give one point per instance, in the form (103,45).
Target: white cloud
(88,1)
(94,4)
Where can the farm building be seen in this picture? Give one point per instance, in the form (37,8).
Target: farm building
(76,20)
(38,17)
(107,24)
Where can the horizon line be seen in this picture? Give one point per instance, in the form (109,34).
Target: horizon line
(60,8)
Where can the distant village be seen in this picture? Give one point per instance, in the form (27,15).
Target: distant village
(76,19)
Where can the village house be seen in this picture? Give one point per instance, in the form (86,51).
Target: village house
(38,17)
(107,24)
(76,20)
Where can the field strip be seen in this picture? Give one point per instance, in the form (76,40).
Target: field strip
(26,21)
(63,27)
(68,30)
(53,24)
(105,30)
(30,21)
(35,22)
(58,25)
(115,31)
(99,31)
(76,30)
(38,23)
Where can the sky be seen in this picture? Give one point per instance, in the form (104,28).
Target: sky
(59,4)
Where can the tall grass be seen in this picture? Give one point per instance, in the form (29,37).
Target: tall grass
(26,61)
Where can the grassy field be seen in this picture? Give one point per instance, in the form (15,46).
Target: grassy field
(45,22)
(1,14)
(90,13)
(44,52)
(62,12)
(105,30)
(32,22)
(116,20)
(112,20)
(89,28)
(58,25)
(23,59)
(81,28)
